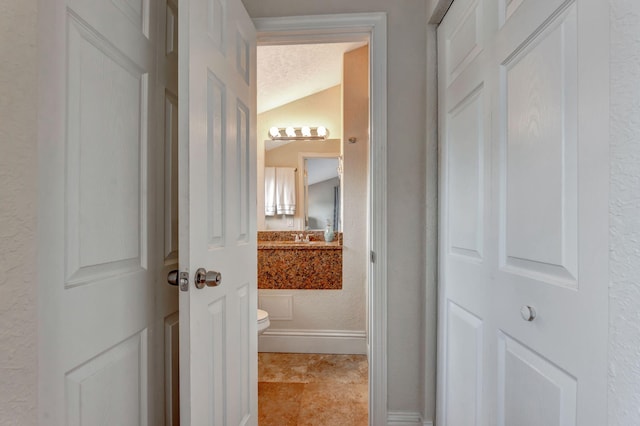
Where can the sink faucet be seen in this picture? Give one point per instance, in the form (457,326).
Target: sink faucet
(301,238)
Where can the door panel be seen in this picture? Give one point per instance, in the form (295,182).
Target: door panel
(107,100)
(464,367)
(539,174)
(466,176)
(523,109)
(114,382)
(216,154)
(218,347)
(172,370)
(465,131)
(171,178)
(465,40)
(524,374)
(99,248)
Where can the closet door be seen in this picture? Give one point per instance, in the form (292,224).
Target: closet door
(524,311)
(466,260)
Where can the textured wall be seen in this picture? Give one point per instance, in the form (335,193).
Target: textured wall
(624,292)
(406,46)
(18,140)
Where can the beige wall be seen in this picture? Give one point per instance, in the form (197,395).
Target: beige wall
(406,56)
(18,195)
(355,200)
(319,109)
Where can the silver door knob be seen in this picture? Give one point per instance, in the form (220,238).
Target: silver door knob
(528,313)
(208,278)
(172,277)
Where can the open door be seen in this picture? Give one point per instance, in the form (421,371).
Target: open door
(217,95)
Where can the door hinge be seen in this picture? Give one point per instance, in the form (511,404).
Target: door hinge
(373,256)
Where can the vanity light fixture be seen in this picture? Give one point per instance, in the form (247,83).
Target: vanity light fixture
(274,132)
(304,133)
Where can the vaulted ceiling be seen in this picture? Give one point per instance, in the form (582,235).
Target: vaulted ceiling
(290,72)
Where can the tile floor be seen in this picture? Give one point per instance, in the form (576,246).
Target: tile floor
(312,389)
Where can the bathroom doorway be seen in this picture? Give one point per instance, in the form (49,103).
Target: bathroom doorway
(369,338)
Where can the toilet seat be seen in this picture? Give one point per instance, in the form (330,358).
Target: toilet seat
(262,316)
(263,321)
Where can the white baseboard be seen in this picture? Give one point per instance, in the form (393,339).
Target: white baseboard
(404,418)
(313,341)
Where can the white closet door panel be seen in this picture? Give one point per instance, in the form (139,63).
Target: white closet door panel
(524,223)
(464,370)
(539,171)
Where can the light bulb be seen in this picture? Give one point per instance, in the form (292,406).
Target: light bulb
(290,132)
(322,131)
(274,132)
(306,131)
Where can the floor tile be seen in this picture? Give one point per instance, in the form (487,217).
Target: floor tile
(328,404)
(279,403)
(347,369)
(283,368)
(312,390)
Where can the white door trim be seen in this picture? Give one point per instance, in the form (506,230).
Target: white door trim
(348,27)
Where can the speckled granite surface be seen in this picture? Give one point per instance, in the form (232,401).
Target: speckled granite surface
(289,236)
(286,265)
(291,245)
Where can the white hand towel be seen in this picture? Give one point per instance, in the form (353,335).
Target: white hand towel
(286,190)
(270,191)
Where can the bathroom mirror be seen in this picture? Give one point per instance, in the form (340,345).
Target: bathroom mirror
(322,189)
(295,154)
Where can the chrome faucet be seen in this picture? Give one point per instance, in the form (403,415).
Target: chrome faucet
(301,238)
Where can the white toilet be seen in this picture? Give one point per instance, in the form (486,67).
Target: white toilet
(263,321)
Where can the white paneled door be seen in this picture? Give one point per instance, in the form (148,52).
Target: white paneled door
(99,250)
(217,202)
(523,94)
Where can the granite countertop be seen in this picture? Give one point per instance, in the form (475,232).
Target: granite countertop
(292,245)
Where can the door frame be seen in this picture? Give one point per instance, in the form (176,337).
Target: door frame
(435,15)
(373,28)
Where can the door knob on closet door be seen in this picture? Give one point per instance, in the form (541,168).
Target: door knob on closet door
(208,278)
(528,313)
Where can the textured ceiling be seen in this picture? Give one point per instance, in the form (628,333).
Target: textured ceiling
(290,72)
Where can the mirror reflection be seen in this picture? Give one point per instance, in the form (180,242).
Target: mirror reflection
(313,199)
(322,193)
